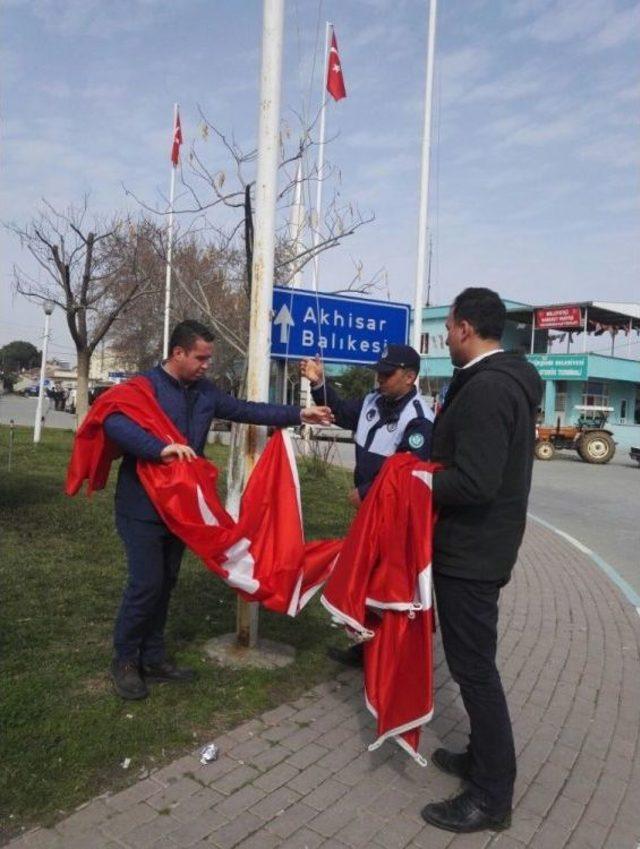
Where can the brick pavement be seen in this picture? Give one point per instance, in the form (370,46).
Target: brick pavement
(301,776)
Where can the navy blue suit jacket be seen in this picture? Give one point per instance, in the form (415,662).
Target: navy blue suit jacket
(191,408)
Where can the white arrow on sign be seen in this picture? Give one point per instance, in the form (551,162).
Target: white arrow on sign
(285,320)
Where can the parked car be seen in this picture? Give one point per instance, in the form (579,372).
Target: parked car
(635,455)
(32,390)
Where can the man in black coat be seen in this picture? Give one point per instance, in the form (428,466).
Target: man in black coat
(484,436)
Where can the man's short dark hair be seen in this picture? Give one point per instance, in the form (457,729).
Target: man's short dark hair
(483,309)
(186,334)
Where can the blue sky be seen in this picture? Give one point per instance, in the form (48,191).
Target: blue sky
(534,187)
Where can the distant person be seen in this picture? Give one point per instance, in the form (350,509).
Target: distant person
(484,436)
(391,419)
(153,553)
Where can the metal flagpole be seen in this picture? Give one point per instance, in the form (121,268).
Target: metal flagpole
(167,283)
(316,229)
(263,259)
(423,219)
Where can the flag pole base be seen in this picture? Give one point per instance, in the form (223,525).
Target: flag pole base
(268,654)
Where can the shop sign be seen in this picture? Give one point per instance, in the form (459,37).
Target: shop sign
(560,366)
(558,318)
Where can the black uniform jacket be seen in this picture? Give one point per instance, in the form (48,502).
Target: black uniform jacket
(484,435)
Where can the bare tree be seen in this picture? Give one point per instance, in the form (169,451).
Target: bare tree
(220,203)
(93,271)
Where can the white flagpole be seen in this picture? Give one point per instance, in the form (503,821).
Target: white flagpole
(167,283)
(316,229)
(423,218)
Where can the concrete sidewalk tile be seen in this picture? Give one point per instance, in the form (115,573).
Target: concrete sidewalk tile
(275,733)
(276,777)
(432,838)
(303,736)
(566,812)
(173,793)
(538,799)
(276,803)
(196,805)
(309,754)
(148,833)
(324,796)
(122,823)
(309,778)
(398,832)
(260,840)
(229,835)
(200,828)
(589,835)
(86,818)
(247,730)
(338,758)
(240,801)
(361,830)
(270,757)
(331,821)
(524,825)
(293,819)
(247,749)
(551,835)
(138,792)
(303,839)
(277,715)
(173,771)
(230,782)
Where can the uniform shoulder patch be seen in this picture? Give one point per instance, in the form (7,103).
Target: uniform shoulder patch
(416,440)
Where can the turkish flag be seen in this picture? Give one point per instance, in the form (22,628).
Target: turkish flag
(335,80)
(177,141)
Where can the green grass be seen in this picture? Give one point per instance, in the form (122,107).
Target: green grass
(64,733)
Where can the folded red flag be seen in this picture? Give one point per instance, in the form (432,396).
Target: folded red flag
(380,589)
(263,555)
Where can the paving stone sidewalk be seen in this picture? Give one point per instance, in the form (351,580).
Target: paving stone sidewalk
(300,776)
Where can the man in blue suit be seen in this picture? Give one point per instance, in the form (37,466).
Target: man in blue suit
(153,553)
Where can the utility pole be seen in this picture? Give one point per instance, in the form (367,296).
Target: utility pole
(263,259)
(48,307)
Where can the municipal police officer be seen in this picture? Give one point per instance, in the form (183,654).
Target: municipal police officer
(153,553)
(394,418)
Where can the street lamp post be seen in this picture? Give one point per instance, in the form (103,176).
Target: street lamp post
(48,309)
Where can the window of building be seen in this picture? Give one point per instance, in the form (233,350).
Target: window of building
(596,394)
(636,411)
(623,410)
(424,343)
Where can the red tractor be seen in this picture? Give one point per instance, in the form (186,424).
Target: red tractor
(589,437)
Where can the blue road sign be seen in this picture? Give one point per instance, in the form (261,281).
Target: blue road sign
(343,329)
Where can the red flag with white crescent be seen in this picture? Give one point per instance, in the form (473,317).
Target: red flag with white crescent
(177,141)
(335,79)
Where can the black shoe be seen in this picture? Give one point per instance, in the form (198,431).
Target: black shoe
(127,681)
(462,814)
(353,656)
(453,763)
(160,673)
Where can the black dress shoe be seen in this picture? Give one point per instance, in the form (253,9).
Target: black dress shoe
(462,814)
(353,656)
(127,681)
(453,763)
(166,671)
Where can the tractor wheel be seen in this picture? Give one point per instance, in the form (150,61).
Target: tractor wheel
(544,450)
(596,446)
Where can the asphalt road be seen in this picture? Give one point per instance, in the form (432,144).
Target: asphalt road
(598,505)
